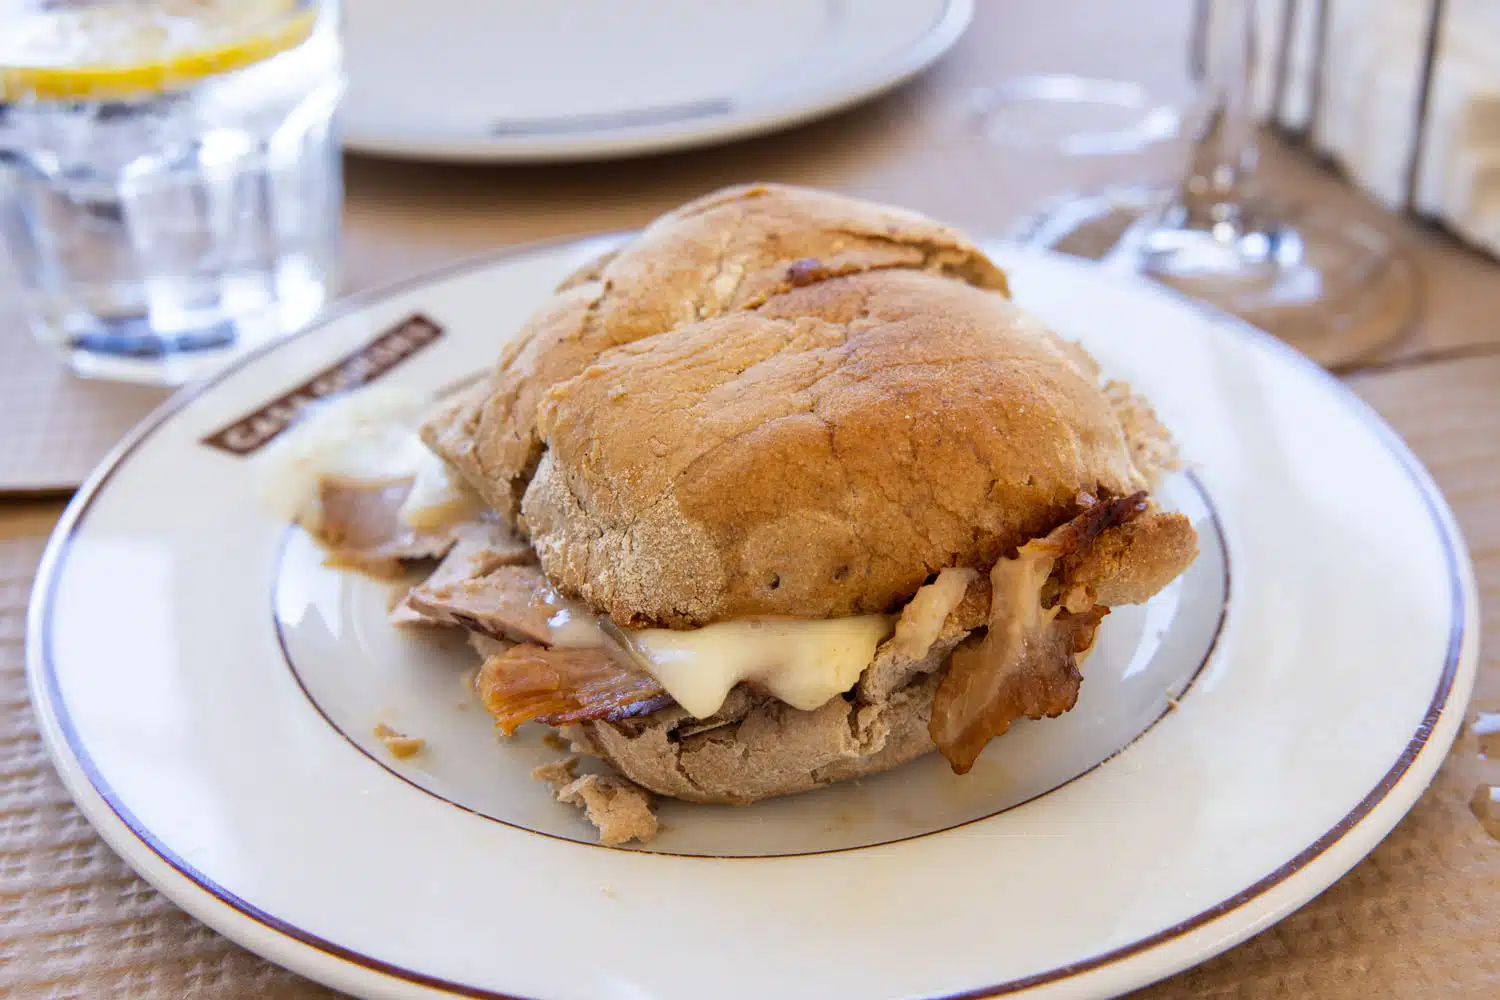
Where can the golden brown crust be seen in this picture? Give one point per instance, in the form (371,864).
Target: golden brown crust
(1151,446)
(1131,563)
(780,401)
(726,252)
(818,457)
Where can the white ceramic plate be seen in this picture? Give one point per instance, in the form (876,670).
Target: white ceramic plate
(208,689)
(504,80)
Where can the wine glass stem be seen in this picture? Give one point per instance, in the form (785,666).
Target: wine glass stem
(1222,168)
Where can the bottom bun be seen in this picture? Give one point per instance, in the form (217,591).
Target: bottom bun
(757,747)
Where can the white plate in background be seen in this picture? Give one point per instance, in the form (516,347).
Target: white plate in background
(507,81)
(207,690)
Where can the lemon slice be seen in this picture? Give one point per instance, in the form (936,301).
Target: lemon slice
(134,50)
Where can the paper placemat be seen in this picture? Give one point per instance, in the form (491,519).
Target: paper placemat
(75,921)
(1419,918)
(56,427)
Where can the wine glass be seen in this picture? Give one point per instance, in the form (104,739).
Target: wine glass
(1335,287)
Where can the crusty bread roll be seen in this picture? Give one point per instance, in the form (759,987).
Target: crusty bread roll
(819,456)
(728,252)
(778,401)
(781,402)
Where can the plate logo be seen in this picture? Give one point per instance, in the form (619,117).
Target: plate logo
(255,430)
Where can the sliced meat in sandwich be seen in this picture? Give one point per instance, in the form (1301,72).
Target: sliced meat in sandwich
(808,496)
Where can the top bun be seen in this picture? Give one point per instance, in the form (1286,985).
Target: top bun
(781,402)
(726,252)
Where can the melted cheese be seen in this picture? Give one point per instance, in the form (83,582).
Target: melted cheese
(922,619)
(368,436)
(804,663)
(572,625)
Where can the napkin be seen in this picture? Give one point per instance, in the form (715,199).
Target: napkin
(1364,110)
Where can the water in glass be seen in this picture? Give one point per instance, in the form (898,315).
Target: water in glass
(157,233)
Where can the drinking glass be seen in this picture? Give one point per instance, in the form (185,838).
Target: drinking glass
(170,180)
(1335,287)
(1095,154)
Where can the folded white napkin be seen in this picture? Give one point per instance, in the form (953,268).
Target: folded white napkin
(1374,52)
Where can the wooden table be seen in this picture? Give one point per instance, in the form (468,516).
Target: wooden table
(1420,917)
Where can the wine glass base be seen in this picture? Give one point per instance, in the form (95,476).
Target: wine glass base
(1074,116)
(1337,290)
(1089,225)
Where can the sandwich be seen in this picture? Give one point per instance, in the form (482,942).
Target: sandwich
(783,492)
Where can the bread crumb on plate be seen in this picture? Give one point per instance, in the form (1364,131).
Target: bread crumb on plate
(620,810)
(467,680)
(400,745)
